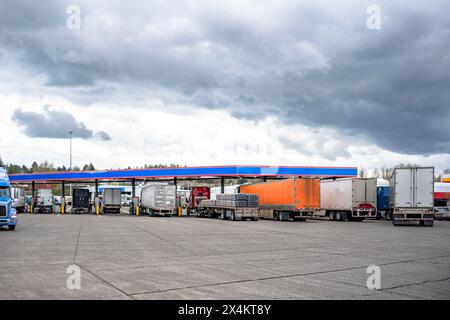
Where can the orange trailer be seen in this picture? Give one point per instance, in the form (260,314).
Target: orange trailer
(286,199)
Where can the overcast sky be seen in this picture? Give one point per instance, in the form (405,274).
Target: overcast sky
(225,82)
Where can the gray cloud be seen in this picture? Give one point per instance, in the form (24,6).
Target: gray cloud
(310,63)
(54,124)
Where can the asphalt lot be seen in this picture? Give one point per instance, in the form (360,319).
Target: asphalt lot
(127,257)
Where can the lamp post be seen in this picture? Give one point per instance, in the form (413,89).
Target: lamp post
(70,164)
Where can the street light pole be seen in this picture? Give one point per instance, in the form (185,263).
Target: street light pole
(70,167)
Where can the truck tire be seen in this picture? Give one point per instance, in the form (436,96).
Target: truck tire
(12,228)
(339,216)
(332,216)
(233,216)
(223,215)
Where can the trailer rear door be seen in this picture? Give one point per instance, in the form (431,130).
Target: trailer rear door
(403,188)
(359,192)
(423,191)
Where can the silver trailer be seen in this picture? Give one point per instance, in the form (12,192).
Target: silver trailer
(346,199)
(158,199)
(412,195)
(112,200)
(233,206)
(18,199)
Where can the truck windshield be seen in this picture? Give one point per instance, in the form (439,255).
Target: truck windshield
(5,192)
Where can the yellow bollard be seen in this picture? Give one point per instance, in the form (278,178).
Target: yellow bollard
(179,211)
(137,211)
(97,209)
(62,209)
(31,208)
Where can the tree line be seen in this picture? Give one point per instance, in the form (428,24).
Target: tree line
(47,166)
(44,166)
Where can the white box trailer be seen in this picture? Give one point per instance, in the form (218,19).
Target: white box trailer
(158,199)
(44,201)
(412,195)
(351,199)
(112,200)
(18,196)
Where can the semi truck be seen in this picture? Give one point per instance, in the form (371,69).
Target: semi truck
(412,196)
(8,214)
(233,206)
(44,201)
(197,194)
(383,196)
(159,199)
(348,199)
(81,201)
(112,200)
(18,199)
(288,199)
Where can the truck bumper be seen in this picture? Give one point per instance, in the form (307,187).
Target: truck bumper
(365,213)
(406,216)
(8,221)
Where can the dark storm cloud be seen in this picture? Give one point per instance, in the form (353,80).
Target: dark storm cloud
(54,124)
(309,63)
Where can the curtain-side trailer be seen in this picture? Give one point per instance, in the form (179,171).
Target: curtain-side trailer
(412,195)
(346,199)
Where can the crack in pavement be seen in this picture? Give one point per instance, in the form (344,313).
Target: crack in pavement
(78,240)
(105,281)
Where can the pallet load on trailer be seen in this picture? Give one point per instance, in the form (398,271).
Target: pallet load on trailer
(348,199)
(196,196)
(44,201)
(81,201)
(18,199)
(288,199)
(233,206)
(112,200)
(8,215)
(159,199)
(412,195)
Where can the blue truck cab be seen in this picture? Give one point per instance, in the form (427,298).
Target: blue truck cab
(8,215)
(383,196)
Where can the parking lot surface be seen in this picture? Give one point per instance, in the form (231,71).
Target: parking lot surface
(128,257)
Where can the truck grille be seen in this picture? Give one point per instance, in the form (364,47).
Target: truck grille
(2,211)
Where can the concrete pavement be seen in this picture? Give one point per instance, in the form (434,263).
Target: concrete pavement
(127,257)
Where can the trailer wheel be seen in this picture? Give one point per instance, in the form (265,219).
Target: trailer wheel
(339,216)
(12,228)
(223,216)
(233,216)
(332,216)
